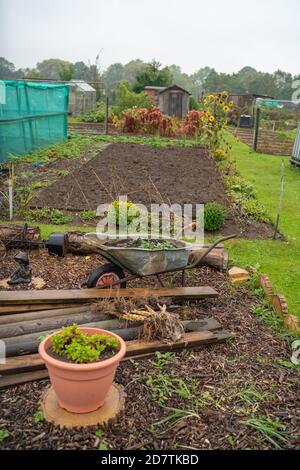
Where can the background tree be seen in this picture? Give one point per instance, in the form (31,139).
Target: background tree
(152,75)
(198,80)
(131,69)
(80,71)
(180,78)
(31,73)
(65,72)
(50,68)
(8,70)
(112,77)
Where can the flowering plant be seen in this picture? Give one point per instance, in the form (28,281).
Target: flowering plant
(207,123)
(148,121)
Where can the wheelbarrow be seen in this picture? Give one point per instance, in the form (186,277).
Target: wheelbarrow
(138,263)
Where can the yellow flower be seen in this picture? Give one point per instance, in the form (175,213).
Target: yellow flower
(225,122)
(221,102)
(226,109)
(210,97)
(211,118)
(205,102)
(230,103)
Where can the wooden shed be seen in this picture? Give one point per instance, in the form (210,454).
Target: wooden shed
(172,100)
(243,100)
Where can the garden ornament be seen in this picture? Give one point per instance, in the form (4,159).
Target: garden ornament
(23,274)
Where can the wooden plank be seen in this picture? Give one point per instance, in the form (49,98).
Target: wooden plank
(41,314)
(135,349)
(44,324)
(193,339)
(12,309)
(18,379)
(83,295)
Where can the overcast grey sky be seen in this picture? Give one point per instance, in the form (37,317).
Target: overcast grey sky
(226,35)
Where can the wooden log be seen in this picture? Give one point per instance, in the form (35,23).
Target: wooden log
(26,344)
(18,370)
(29,346)
(15,235)
(12,309)
(84,295)
(29,343)
(85,318)
(217,258)
(78,246)
(40,314)
(33,326)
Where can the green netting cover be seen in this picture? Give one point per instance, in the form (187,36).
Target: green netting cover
(32,115)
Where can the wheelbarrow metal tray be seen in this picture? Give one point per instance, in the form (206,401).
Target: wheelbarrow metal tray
(140,260)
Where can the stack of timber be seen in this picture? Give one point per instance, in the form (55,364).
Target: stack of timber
(27,316)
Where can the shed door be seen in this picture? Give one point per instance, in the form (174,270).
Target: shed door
(175,104)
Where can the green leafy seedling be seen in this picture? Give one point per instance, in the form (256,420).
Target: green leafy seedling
(4,434)
(38,417)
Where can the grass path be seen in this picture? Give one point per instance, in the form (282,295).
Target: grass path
(280,260)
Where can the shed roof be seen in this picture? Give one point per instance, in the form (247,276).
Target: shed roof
(82,85)
(175,87)
(162,89)
(254,95)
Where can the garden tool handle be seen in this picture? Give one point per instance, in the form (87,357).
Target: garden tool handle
(179,233)
(208,250)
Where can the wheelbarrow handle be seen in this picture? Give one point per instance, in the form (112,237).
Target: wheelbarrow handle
(208,250)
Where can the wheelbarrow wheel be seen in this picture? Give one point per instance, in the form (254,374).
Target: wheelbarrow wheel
(105,275)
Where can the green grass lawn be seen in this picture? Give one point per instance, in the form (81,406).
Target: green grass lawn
(280,260)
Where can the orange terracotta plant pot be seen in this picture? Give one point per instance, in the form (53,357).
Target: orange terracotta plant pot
(82,388)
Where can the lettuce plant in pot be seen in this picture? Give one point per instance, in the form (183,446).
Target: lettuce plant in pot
(82,363)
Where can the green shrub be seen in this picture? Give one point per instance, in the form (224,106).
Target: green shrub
(194,104)
(255,210)
(239,186)
(78,347)
(125,99)
(96,114)
(220,155)
(54,216)
(214,216)
(121,213)
(88,215)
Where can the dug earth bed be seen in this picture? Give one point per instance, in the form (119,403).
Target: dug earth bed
(147,175)
(220,392)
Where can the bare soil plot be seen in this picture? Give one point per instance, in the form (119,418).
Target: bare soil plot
(147,175)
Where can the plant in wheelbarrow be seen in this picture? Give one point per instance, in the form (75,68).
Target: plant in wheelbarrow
(82,363)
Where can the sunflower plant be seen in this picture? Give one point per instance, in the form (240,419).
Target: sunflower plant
(207,124)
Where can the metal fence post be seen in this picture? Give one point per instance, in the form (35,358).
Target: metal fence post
(256,129)
(106,115)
